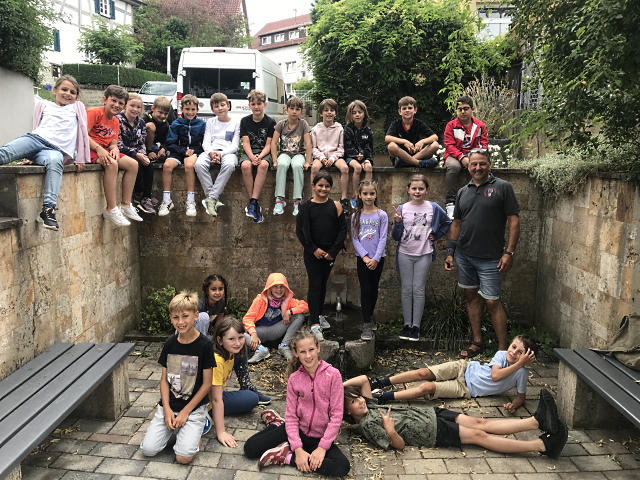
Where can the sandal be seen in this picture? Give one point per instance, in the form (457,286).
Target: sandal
(472,352)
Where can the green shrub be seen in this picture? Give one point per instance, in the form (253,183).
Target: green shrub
(236,308)
(155,314)
(112,75)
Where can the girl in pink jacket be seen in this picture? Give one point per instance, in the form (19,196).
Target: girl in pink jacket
(315,406)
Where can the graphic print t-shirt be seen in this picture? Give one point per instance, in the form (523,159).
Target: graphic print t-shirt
(292,141)
(417,221)
(102,130)
(185,364)
(258,132)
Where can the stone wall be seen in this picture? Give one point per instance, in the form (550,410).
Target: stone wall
(80,284)
(589,276)
(182,251)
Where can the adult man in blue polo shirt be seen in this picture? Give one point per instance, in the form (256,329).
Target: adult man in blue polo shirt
(483,208)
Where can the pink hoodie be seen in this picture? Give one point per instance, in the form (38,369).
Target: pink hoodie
(314,405)
(328,142)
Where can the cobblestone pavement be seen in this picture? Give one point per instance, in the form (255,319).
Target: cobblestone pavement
(84,449)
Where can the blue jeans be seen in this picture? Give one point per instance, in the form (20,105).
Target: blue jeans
(481,273)
(239,401)
(40,152)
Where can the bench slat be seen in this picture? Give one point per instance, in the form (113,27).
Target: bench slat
(632,374)
(29,390)
(599,362)
(30,369)
(617,397)
(25,440)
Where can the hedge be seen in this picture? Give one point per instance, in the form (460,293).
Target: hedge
(90,74)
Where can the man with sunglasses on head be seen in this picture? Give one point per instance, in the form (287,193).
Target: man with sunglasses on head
(483,208)
(461,135)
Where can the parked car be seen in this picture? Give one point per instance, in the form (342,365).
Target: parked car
(151,90)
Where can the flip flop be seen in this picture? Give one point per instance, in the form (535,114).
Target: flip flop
(470,353)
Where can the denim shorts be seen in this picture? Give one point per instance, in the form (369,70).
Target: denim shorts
(351,159)
(481,273)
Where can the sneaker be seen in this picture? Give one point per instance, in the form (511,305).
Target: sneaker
(116,217)
(271,417)
(47,218)
(261,354)
(275,456)
(146,206)
(429,162)
(258,211)
(191,209)
(296,207)
(346,205)
(209,205)
(354,203)
(367,332)
(375,383)
(137,198)
(404,334)
(278,209)
(164,208)
(450,207)
(547,413)
(555,442)
(285,351)
(317,329)
(131,212)
(207,424)
(154,202)
(414,336)
(323,322)
(263,399)
(250,211)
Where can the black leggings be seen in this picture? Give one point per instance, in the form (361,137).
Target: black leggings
(335,464)
(144,180)
(369,281)
(318,271)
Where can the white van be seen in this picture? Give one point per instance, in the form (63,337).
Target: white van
(203,71)
(151,90)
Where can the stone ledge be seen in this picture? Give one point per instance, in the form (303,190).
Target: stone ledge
(37,169)
(9,222)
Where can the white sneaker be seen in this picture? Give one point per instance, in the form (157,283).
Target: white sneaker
(131,212)
(164,208)
(450,207)
(324,323)
(259,355)
(191,209)
(115,216)
(317,330)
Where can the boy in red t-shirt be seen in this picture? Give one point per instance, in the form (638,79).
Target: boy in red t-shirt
(461,136)
(104,129)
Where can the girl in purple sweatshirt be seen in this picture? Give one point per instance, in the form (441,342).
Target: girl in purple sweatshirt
(369,237)
(315,406)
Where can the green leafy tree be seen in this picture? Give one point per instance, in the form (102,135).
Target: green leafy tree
(111,46)
(586,56)
(25,34)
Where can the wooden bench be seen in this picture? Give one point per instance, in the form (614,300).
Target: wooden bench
(588,382)
(38,396)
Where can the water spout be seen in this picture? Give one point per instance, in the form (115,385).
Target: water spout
(338,304)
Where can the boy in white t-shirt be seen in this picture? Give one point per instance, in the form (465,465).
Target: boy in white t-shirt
(220,144)
(464,379)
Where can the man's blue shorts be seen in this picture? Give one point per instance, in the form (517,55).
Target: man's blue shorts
(481,273)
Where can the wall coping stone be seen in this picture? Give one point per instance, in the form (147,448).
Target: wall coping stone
(9,222)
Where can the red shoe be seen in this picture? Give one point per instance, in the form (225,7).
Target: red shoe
(271,416)
(275,456)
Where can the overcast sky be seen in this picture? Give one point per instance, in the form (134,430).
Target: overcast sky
(261,12)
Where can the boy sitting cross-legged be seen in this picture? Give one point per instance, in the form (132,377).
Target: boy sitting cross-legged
(221,141)
(256,131)
(184,143)
(187,361)
(411,142)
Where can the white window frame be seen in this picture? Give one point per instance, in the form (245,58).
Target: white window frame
(104,8)
(278,37)
(265,40)
(290,67)
(294,34)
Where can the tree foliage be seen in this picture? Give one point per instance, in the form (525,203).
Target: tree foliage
(586,56)
(24,34)
(109,46)
(381,50)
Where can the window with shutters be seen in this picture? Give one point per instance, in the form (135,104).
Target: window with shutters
(56,40)
(104,8)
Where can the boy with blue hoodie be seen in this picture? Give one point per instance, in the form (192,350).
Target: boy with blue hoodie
(184,144)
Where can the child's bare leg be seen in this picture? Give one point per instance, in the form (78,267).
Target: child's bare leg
(396,151)
(247,176)
(151,135)
(368,170)
(261,176)
(109,184)
(471,436)
(426,388)
(361,382)
(190,172)
(428,151)
(341,165)
(355,177)
(130,167)
(316,165)
(499,427)
(421,374)
(167,173)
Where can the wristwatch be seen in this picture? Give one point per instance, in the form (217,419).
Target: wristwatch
(509,253)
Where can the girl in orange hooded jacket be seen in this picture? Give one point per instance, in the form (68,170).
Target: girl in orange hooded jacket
(274,315)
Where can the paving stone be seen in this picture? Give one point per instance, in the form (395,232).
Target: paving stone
(410,453)
(85,463)
(545,464)
(243,434)
(492,401)
(139,412)
(605,449)
(615,435)
(578,436)
(573,450)
(121,466)
(138,375)
(510,465)
(529,435)
(140,383)
(467,465)
(147,399)
(449,476)
(86,476)
(157,376)
(106,438)
(422,466)
(128,477)
(534,476)
(629,461)
(256,476)
(441,453)
(76,435)
(137,438)
(388,468)
(173,471)
(215,446)
(238,462)
(41,459)
(473,451)
(206,459)
(71,446)
(626,475)
(114,450)
(93,426)
(493,476)
(41,473)
(583,476)
(126,426)
(598,463)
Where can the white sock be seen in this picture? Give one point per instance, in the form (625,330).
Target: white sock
(191,196)
(262,347)
(166,197)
